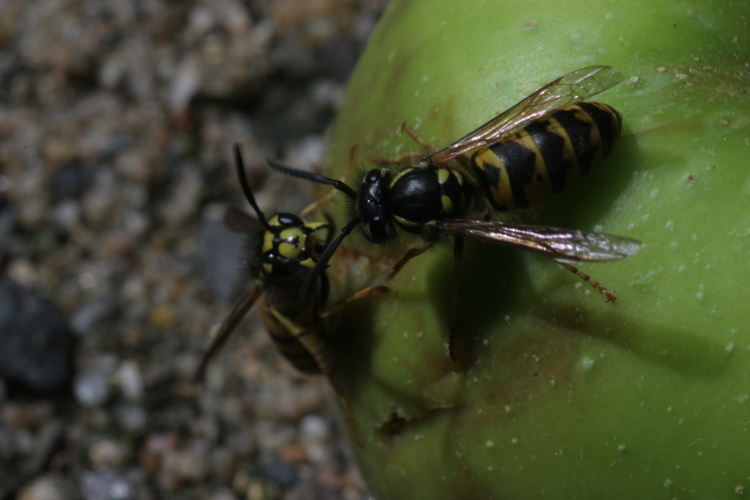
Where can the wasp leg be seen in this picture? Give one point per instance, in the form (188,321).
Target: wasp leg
(610,296)
(348,300)
(407,158)
(431,146)
(320,350)
(226,329)
(458,252)
(347,411)
(409,255)
(402,159)
(332,194)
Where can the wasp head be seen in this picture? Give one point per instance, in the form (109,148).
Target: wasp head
(371,207)
(291,246)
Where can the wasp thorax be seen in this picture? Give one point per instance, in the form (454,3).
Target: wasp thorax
(372,207)
(421,195)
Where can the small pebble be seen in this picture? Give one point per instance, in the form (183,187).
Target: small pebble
(131,416)
(106,485)
(69,181)
(91,388)
(106,453)
(36,345)
(130,379)
(48,487)
(220,253)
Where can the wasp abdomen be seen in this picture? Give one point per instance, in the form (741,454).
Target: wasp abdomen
(310,355)
(547,156)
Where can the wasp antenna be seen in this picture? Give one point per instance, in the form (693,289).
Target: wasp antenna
(310,176)
(240,166)
(320,266)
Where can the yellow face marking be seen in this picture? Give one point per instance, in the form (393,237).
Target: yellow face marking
(292,235)
(291,243)
(288,250)
(274,221)
(268,238)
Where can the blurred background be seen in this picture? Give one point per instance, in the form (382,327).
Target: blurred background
(116,125)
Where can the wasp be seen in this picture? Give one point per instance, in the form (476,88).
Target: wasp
(518,159)
(283,251)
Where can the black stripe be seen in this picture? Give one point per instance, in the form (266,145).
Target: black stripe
(300,358)
(283,340)
(607,120)
(552,147)
(309,367)
(519,162)
(579,132)
(489,176)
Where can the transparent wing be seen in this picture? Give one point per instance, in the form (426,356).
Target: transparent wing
(240,222)
(569,89)
(227,327)
(556,242)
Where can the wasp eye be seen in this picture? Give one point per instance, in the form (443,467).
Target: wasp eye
(372,207)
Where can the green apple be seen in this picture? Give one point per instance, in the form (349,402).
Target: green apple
(555,393)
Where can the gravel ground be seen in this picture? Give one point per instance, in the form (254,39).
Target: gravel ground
(117,120)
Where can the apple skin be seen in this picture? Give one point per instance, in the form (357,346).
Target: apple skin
(557,394)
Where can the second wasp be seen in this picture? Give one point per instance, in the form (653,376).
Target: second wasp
(519,159)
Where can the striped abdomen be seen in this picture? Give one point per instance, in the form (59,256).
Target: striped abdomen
(298,337)
(547,156)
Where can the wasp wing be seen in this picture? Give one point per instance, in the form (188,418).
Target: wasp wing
(241,222)
(569,89)
(556,242)
(227,327)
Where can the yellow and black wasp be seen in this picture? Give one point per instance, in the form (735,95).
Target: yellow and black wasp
(283,251)
(535,149)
